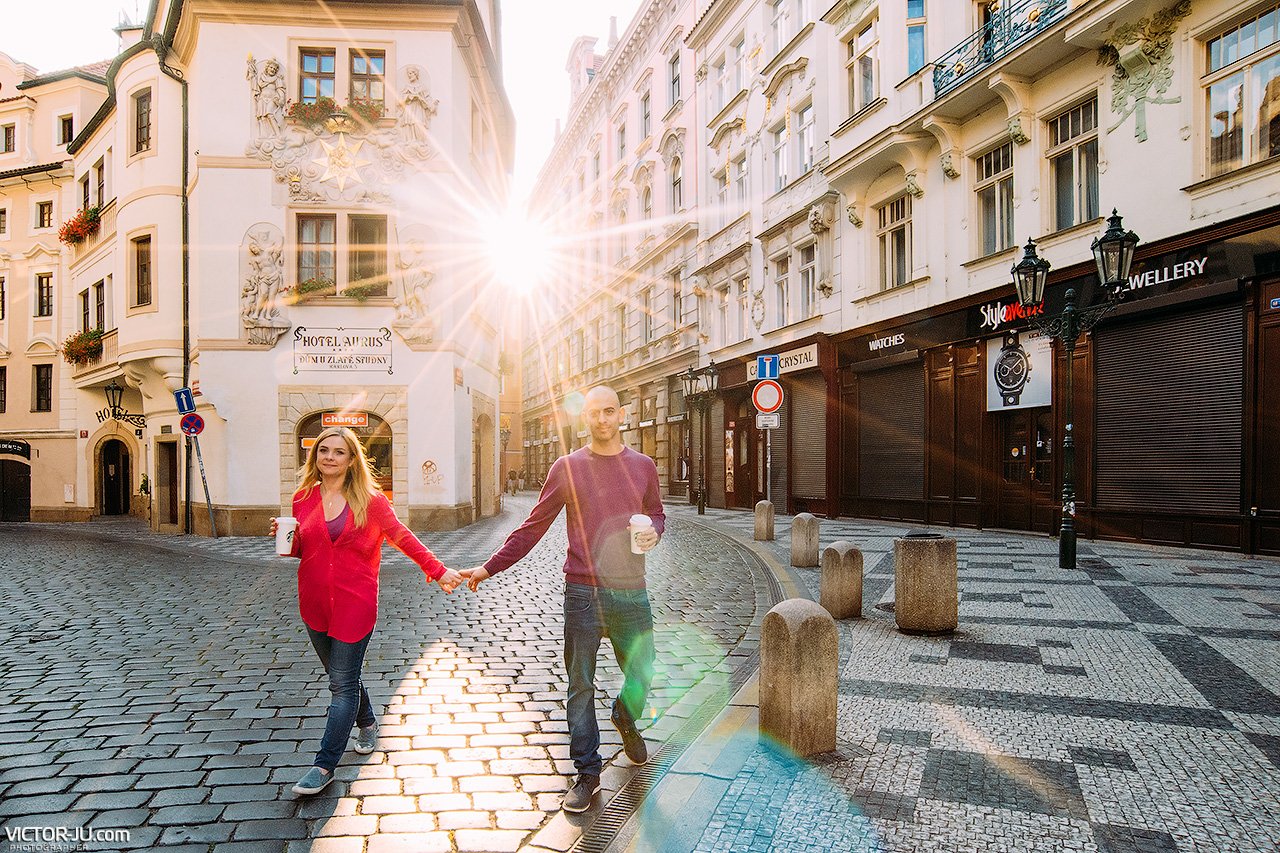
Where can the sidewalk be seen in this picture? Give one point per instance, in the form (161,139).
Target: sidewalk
(1131,705)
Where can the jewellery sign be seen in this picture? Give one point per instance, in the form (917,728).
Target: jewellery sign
(341,349)
(1019,372)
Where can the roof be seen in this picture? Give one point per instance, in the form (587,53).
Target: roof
(30,170)
(94,72)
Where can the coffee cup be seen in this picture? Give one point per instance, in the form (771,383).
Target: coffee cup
(286,526)
(639,524)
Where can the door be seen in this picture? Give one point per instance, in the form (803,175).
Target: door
(166,496)
(114,478)
(1025,490)
(742,473)
(15,490)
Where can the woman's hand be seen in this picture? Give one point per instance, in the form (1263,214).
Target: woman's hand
(449,581)
(275,525)
(474,577)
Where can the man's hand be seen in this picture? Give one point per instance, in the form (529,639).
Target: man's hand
(474,576)
(647,539)
(450,580)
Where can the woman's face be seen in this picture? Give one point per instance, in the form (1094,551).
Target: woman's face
(333,458)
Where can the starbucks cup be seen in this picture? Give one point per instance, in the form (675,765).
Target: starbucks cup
(639,523)
(286,526)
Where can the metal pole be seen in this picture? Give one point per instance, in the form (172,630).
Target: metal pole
(1067,535)
(702,459)
(768,465)
(213,525)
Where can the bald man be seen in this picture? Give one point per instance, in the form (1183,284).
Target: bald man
(600,487)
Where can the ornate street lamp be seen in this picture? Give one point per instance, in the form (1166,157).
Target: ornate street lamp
(115,394)
(700,387)
(1113,253)
(505,435)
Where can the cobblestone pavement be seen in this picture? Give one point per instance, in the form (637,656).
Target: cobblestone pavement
(1130,705)
(166,685)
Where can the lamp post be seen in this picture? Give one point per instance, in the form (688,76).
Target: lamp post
(700,388)
(114,394)
(1113,255)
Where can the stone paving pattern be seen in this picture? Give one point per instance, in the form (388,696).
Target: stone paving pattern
(166,685)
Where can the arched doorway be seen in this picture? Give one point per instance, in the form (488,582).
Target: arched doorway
(484,491)
(374,433)
(113,478)
(15,490)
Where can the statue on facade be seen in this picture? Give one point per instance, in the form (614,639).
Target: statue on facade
(417,109)
(412,282)
(269,99)
(262,287)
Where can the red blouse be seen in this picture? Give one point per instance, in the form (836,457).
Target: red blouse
(338,580)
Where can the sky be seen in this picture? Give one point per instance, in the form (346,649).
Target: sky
(55,34)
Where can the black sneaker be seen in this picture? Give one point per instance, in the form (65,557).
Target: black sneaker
(583,791)
(632,743)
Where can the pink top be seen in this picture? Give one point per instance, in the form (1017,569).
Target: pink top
(338,579)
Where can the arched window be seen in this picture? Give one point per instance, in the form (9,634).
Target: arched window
(677,194)
(646,203)
(373,432)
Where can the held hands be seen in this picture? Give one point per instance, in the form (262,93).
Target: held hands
(647,539)
(474,576)
(274,526)
(450,580)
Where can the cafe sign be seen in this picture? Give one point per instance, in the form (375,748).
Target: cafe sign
(788,362)
(341,350)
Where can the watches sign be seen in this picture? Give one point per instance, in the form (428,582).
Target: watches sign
(1019,372)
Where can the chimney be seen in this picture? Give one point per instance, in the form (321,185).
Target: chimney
(613,31)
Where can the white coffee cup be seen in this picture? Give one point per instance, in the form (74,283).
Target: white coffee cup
(286,526)
(639,524)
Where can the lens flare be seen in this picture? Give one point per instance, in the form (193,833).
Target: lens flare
(520,252)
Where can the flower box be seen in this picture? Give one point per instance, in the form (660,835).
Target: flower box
(80,348)
(81,227)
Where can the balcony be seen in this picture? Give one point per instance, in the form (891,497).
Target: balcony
(101,367)
(106,228)
(1009,28)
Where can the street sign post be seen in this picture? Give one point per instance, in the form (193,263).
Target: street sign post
(770,421)
(186,401)
(767,367)
(192,425)
(767,396)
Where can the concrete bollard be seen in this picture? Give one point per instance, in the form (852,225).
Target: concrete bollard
(764,522)
(842,580)
(926,584)
(804,541)
(799,655)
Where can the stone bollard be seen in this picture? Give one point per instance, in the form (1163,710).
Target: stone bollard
(799,651)
(926,584)
(842,580)
(764,522)
(804,541)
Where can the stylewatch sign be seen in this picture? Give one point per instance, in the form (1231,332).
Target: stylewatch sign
(997,315)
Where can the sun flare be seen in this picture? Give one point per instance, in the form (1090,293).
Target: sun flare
(520,251)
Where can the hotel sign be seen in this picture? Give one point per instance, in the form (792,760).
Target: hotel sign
(789,362)
(341,350)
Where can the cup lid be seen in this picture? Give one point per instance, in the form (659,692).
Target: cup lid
(641,520)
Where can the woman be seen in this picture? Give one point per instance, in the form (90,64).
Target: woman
(342,520)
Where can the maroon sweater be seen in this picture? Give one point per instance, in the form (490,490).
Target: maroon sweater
(600,493)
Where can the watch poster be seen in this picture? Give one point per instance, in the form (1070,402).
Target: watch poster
(1019,371)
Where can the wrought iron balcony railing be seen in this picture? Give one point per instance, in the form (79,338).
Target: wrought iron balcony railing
(1011,24)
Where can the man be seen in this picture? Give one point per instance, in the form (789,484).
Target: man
(600,486)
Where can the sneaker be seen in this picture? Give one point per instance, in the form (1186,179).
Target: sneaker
(580,795)
(632,743)
(366,739)
(313,781)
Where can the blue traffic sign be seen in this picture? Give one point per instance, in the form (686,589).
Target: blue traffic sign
(192,424)
(766,367)
(186,401)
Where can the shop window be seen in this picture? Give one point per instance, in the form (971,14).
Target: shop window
(994,189)
(1242,89)
(1073,164)
(374,433)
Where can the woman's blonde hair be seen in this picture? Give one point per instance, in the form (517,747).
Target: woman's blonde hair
(360,484)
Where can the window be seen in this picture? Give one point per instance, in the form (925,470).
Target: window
(622,329)
(318,249)
(100,305)
(595,167)
(8,138)
(44,214)
(738,55)
(3,298)
(646,203)
(808,281)
(915,36)
(677,192)
(367,261)
(782,290)
(740,181)
(778,24)
(4,221)
(805,119)
(646,117)
(317,75)
(142,121)
(677,297)
(84,311)
(894,234)
(142,271)
(66,129)
(743,289)
(673,71)
(42,388)
(84,193)
(1073,164)
(1243,83)
(622,142)
(44,294)
(367,76)
(646,316)
(722,198)
(995,198)
(862,67)
(780,176)
(721,74)
(100,180)
(4,390)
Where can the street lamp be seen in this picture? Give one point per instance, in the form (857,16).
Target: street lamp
(700,388)
(1113,254)
(505,435)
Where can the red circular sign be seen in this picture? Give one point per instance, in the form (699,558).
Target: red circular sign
(192,424)
(767,396)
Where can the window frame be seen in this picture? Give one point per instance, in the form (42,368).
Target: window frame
(358,253)
(42,397)
(1245,67)
(806,139)
(808,279)
(742,294)
(140,264)
(143,119)
(66,129)
(857,53)
(4,388)
(302,270)
(44,300)
(646,116)
(999,184)
(917,24)
(4,298)
(676,184)
(319,75)
(885,228)
(781,277)
(779,156)
(4,221)
(9,138)
(673,78)
(43,221)
(369,78)
(1076,147)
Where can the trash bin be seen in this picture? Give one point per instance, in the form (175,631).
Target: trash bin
(926,587)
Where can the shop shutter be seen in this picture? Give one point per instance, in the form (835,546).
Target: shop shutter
(778,449)
(1170,412)
(809,430)
(891,432)
(715,454)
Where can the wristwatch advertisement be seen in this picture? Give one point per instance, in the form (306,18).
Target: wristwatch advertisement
(1019,369)
(1012,370)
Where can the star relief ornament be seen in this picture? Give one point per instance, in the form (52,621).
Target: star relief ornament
(342,162)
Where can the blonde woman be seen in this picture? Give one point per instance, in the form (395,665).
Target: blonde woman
(342,520)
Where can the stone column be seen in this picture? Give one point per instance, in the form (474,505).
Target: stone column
(926,584)
(799,656)
(804,541)
(842,580)
(764,522)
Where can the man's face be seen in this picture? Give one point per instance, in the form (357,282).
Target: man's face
(603,415)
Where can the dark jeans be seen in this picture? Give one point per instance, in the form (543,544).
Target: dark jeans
(588,613)
(350,701)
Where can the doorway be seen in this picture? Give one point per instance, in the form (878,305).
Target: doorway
(744,455)
(1025,490)
(166,490)
(113,478)
(15,490)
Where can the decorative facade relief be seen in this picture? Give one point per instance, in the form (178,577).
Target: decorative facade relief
(411,292)
(1142,56)
(851,210)
(269,98)
(821,217)
(913,185)
(262,290)
(947,161)
(1016,133)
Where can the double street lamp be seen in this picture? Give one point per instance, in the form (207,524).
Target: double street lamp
(700,388)
(1113,255)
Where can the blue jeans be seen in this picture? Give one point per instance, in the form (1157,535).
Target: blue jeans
(590,612)
(350,701)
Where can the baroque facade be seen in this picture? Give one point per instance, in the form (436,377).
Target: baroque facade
(868,173)
(278,204)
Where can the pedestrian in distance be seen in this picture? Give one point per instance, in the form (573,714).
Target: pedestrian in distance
(342,520)
(520,480)
(600,487)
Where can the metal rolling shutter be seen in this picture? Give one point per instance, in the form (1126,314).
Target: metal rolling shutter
(809,432)
(891,432)
(778,449)
(1170,412)
(715,454)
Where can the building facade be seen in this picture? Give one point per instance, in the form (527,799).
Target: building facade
(281,228)
(941,142)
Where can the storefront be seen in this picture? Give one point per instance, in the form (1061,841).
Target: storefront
(956,416)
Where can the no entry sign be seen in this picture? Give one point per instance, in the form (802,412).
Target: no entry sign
(767,396)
